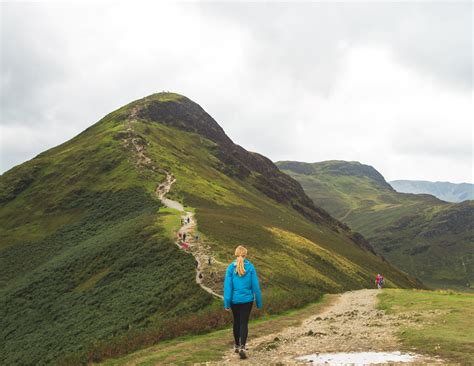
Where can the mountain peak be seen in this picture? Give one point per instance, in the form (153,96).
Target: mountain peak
(337,167)
(178,111)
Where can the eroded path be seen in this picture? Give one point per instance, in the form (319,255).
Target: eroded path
(208,269)
(351,324)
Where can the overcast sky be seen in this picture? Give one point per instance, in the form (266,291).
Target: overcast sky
(386,84)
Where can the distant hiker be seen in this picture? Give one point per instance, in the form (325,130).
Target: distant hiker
(379,281)
(180,235)
(189,219)
(184,236)
(209,261)
(196,237)
(241,288)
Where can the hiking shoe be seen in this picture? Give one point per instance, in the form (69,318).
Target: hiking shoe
(236,349)
(242,353)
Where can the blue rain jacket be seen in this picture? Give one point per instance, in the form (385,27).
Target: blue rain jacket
(239,290)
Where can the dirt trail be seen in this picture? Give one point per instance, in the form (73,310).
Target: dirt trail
(351,324)
(346,214)
(136,143)
(209,271)
(163,189)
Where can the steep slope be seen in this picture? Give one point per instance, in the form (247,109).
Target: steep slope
(446,191)
(88,262)
(430,238)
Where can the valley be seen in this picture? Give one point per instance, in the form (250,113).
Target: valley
(427,237)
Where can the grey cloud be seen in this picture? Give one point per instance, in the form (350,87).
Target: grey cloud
(31,62)
(419,144)
(265,71)
(306,37)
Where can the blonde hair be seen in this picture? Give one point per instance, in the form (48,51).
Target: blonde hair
(240,253)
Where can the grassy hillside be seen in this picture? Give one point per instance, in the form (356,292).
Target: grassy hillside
(88,268)
(444,322)
(421,234)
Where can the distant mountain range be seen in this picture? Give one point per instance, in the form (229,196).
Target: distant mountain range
(419,233)
(446,191)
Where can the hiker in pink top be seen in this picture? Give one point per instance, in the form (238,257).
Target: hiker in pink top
(379,281)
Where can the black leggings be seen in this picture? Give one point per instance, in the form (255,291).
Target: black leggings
(241,314)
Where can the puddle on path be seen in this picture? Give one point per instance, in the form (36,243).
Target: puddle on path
(359,358)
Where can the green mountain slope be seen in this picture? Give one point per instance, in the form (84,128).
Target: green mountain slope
(419,233)
(88,264)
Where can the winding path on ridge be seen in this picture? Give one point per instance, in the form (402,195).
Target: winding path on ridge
(209,271)
(197,248)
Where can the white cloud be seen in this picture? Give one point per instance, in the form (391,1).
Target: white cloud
(386,84)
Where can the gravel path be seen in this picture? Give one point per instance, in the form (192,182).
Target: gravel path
(209,271)
(351,324)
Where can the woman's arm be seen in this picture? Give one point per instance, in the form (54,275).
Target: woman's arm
(228,288)
(256,289)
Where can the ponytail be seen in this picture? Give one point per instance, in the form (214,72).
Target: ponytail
(240,253)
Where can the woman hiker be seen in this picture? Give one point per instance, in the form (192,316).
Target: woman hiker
(241,288)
